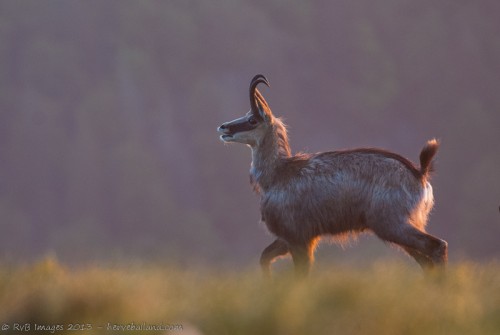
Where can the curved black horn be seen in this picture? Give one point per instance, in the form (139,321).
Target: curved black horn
(253,86)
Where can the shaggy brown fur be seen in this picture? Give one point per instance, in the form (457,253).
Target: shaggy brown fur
(307,196)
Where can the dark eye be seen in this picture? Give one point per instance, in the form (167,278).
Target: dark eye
(252,120)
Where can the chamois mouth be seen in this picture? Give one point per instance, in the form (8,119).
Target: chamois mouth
(226,137)
(226,134)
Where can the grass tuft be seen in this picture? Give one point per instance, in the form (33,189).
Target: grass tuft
(386,298)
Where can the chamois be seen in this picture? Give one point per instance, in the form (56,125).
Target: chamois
(306,196)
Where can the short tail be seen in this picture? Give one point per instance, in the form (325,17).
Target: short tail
(426,156)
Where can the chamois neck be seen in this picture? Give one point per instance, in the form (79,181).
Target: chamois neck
(268,154)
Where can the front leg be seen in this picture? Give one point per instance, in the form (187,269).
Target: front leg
(275,249)
(302,259)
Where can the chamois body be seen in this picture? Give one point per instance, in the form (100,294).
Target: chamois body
(307,196)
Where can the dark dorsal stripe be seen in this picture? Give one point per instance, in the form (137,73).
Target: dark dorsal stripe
(407,163)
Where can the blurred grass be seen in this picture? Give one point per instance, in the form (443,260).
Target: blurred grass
(385,298)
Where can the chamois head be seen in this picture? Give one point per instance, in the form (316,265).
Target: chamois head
(252,127)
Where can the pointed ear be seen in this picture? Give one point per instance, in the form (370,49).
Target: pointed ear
(264,110)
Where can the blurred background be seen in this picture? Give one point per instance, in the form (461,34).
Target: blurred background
(109,110)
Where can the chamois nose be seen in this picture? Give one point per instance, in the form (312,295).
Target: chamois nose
(222,127)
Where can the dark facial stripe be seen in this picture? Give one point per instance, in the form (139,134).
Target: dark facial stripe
(241,125)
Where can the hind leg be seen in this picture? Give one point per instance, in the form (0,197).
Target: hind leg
(424,261)
(427,250)
(433,247)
